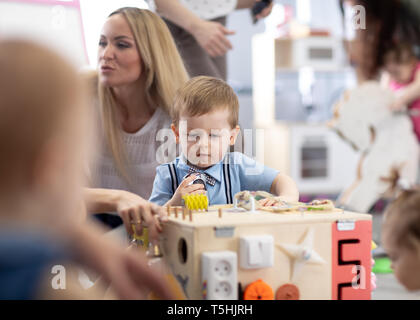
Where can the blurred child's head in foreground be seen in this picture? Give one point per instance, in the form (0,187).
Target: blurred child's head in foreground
(205,120)
(400,62)
(401,238)
(43,132)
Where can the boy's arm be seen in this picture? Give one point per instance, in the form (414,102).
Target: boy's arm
(285,187)
(255,176)
(162,186)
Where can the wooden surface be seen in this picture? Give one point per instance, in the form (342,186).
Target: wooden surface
(211,218)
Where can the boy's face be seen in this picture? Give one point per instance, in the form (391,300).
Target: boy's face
(205,139)
(404,261)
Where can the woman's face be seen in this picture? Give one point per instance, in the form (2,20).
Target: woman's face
(119,61)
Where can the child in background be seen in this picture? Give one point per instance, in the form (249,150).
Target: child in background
(44,146)
(401,238)
(403,68)
(205,124)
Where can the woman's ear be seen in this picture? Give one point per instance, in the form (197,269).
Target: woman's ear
(175,130)
(234,135)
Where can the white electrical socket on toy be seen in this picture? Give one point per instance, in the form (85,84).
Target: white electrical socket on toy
(219,272)
(256,252)
(223,290)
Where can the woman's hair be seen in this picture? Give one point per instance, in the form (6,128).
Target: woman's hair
(38,95)
(202,95)
(402,219)
(388,23)
(163,71)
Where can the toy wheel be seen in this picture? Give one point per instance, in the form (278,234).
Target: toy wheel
(258,290)
(288,292)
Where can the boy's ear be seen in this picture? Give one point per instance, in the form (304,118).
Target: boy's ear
(175,130)
(234,135)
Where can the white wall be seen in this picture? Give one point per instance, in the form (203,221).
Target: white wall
(94,14)
(50,24)
(323,14)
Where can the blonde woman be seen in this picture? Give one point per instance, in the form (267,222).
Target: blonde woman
(140,70)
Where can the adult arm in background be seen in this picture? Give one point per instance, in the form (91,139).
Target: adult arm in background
(210,35)
(131,208)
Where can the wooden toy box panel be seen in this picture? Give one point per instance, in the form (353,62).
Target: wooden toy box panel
(341,239)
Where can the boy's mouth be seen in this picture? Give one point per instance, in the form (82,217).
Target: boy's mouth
(202,154)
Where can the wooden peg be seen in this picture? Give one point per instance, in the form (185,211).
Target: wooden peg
(183,213)
(168,208)
(220,213)
(176,212)
(191,215)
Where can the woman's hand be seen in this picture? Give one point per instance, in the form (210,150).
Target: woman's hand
(211,36)
(184,189)
(134,210)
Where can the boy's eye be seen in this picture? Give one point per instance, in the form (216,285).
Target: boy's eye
(214,135)
(102,43)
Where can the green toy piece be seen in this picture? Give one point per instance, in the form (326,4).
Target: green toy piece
(382,266)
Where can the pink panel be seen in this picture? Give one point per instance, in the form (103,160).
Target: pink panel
(351,248)
(70,3)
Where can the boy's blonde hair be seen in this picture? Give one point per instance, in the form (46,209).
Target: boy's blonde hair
(202,95)
(402,219)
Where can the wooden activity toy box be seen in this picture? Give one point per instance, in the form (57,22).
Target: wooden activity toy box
(225,254)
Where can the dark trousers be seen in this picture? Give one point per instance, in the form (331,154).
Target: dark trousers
(196,60)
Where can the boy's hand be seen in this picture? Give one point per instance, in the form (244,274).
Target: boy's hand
(272,202)
(184,188)
(267,202)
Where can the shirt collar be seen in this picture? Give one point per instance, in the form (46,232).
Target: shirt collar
(214,171)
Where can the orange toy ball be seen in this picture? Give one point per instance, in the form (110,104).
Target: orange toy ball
(288,292)
(258,290)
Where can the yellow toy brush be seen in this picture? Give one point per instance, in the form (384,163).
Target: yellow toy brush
(196,202)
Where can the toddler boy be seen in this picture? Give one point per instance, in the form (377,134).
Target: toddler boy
(205,124)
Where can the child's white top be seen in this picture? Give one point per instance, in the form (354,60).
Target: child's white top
(144,153)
